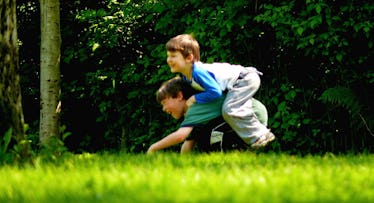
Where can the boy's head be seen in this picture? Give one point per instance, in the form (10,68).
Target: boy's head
(186,44)
(172,87)
(172,95)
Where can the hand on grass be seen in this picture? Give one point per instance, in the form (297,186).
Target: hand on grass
(151,150)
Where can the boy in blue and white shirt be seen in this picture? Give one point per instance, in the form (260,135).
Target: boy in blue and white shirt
(240,83)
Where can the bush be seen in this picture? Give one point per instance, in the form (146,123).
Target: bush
(114,60)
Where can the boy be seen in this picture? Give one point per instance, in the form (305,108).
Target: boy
(240,83)
(173,95)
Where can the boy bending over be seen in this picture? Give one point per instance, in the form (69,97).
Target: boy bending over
(173,95)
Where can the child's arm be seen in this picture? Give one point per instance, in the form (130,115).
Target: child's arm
(172,139)
(211,88)
(187,146)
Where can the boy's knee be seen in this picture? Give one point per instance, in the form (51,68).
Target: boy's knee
(225,114)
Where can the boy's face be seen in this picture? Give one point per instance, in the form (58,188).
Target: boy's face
(177,63)
(174,106)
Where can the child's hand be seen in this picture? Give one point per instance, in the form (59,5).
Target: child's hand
(151,150)
(190,101)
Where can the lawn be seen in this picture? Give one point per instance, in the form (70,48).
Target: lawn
(171,177)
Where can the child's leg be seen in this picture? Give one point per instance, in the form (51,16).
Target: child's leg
(237,108)
(260,111)
(187,146)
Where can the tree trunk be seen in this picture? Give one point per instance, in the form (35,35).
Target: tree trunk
(49,69)
(11,113)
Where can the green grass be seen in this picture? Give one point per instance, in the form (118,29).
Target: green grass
(167,177)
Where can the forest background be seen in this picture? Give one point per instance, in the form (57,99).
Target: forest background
(315,56)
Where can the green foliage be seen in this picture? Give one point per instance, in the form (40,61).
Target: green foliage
(317,27)
(122,78)
(344,97)
(316,55)
(290,121)
(213,24)
(113,61)
(4,143)
(6,140)
(55,148)
(15,152)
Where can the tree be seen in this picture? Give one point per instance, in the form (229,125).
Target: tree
(11,112)
(49,69)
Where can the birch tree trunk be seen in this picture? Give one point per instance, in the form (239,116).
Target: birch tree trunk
(11,112)
(49,69)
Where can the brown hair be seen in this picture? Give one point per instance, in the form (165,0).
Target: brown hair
(186,44)
(172,87)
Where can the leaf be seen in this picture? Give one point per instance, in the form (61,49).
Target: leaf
(7,138)
(95,46)
(290,95)
(318,9)
(300,30)
(343,97)
(311,41)
(339,57)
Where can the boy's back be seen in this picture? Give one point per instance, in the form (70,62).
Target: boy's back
(225,74)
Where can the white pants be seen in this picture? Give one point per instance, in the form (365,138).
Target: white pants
(237,108)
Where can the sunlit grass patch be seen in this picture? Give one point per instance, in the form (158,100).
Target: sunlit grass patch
(168,177)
